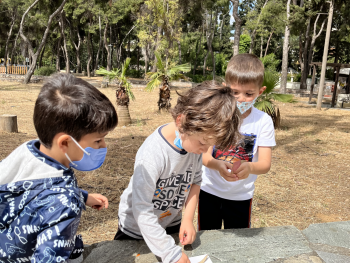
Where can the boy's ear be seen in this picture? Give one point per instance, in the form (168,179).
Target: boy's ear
(261,90)
(62,141)
(224,84)
(178,120)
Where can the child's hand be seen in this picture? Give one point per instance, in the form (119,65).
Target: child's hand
(244,170)
(187,232)
(223,169)
(97,201)
(184,259)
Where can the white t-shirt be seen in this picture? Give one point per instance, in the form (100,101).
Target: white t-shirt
(258,130)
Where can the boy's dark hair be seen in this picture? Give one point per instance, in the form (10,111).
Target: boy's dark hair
(244,69)
(210,109)
(73,106)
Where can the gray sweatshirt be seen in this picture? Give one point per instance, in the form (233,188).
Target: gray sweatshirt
(156,194)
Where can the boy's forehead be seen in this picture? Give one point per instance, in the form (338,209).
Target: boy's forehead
(95,135)
(245,87)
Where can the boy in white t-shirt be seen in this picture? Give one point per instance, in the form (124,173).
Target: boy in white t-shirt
(228,176)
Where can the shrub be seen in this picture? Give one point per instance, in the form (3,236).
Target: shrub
(134,73)
(199,78)
(297,77)
(45,71)
(270,62)
(221,61)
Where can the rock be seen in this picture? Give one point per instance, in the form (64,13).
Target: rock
(333,234)
(251,245)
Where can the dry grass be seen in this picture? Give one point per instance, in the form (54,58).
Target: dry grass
(309,181)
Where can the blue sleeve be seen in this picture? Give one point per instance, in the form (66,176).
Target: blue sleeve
(85,194)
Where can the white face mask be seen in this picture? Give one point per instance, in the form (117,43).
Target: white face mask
(245,105)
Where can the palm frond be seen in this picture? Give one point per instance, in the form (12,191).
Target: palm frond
(265,106)
(110,74)
(155,82)
(160,65)
(173,71)
(125,67)
(271,80)
(180,76)
(283,97)
(128,90)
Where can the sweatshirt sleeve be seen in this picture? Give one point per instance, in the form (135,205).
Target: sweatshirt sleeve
(85,195)
(144,185)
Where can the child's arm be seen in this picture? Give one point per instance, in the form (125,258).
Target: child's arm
(218,165)
(262,166)
(144,182)
(187,231)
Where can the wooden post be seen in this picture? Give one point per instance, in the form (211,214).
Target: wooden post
(8,123)
(312,82)
(335,87)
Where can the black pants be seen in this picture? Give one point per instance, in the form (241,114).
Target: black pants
(169,230)
(213,211)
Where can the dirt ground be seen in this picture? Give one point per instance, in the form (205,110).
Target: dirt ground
(309,181)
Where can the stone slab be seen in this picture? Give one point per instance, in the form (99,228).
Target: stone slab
(333,234)
(333,258)
(258,245)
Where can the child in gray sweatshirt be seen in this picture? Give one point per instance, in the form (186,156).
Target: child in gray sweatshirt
(167,172)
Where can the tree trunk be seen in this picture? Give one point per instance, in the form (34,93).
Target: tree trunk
(41,57)
(179,45)
(261,45)
(301,59)
(325,57)
(58,64)
(33,55)
(205,63)
(238,24)
(312,83)
(268,43)
(285,52)
(145,56)
(13,48)
(62,26)
(252,37)
(109,64)
(9,36)
(92,56)
(138,58)
(198,48)
(164,95)
(99,45)
(305,72)
(314,37)
(123,107)
(159,32)
(89,52)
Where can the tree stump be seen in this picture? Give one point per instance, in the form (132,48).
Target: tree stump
(8,123)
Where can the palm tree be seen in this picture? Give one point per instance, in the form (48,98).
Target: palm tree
(266,101)
(162,77)
(123,92)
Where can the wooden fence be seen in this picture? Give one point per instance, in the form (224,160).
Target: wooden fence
(19,70)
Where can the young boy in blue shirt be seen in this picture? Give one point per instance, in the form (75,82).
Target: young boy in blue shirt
(40,201)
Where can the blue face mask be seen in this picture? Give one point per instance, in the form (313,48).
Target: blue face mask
(244,106)
(177,141)
(92,159)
